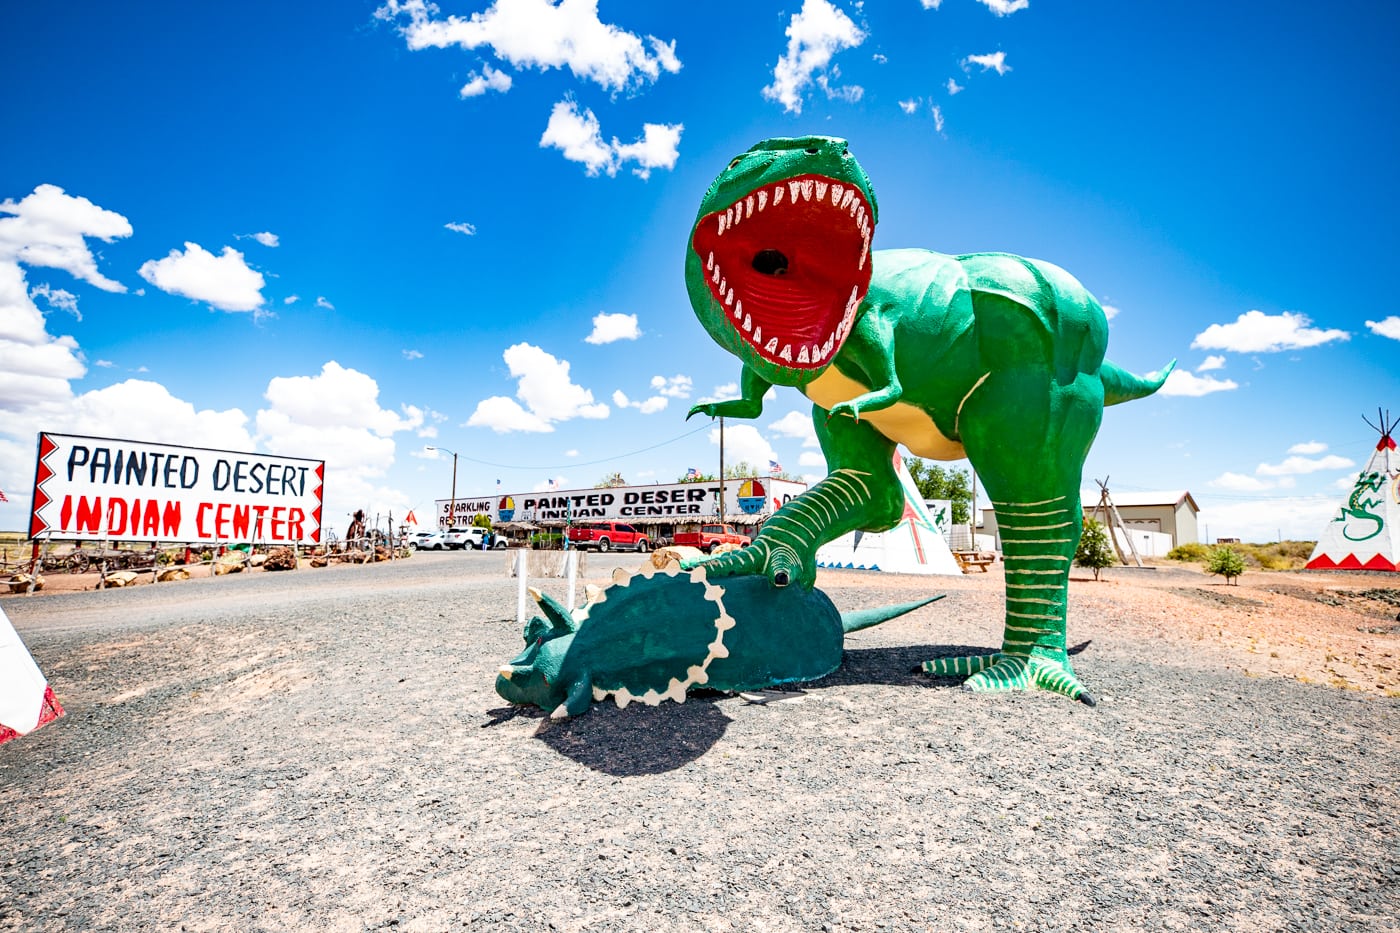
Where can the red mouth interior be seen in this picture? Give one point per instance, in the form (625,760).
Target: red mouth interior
(788,263)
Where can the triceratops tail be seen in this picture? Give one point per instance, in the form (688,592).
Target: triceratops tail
(864,618)
(1119,385)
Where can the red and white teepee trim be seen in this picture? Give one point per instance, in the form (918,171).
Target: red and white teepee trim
(26,699)
(1365,534)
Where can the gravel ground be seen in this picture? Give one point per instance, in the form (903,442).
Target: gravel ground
(324,750)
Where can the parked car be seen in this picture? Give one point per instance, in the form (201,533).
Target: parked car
(473,537)
(710,535)
(427,541)
(607,536)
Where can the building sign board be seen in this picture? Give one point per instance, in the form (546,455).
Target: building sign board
(103,489)
(678,501)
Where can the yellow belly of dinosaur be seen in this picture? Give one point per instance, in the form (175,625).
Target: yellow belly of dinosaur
(902,423)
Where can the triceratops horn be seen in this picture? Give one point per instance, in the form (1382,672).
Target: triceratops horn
(864,618)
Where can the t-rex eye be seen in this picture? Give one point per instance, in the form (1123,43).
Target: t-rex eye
(770,262)
(736,161)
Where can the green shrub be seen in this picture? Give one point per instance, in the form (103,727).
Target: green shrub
(1191,551)
(1227,562)
(1094,550)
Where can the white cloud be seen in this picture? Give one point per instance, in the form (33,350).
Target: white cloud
(412,354)
(1390,327)
(1308,448)
(648,406)
(675,387)
(1211,363)
(104,364)
(931,4)
(723,393)
(743,442)
(992,61)
(58,299)
(1257,332)
(850,93)
(579,137)
(544,387)
(953,87)
(541,34)
(223,281)
(1295,466)
(1181,382)
(266,239)
(465,228)
(909,106)
(48,228)
(937,118)
(815,34)
(1262,520)
(1239,482)
(811,458)
(1005,7)
(796,424)
(291,299)
(1109,311)
(321,302)
(571,453)
(489,80)
(608,328)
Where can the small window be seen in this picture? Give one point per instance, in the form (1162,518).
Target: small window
(627,528)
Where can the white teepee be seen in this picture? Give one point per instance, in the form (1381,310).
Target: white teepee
(26,700)
(1365,535)
(915,545)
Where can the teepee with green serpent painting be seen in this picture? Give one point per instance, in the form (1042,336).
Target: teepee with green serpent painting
(1365,534)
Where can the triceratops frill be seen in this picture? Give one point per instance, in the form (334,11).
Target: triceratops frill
(657,634)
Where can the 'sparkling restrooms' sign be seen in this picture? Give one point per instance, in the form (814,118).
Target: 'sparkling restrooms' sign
(95,488)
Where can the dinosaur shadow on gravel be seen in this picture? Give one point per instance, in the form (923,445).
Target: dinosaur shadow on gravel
(644,739)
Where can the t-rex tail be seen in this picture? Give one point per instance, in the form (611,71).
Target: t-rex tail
(1119,385)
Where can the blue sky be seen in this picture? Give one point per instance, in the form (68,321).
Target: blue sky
(349,230)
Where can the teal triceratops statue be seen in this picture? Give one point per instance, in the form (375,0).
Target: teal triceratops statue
(657,634)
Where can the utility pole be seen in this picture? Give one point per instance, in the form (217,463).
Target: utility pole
(721,468)
(452,510)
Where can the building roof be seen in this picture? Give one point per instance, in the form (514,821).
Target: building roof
(1171,498)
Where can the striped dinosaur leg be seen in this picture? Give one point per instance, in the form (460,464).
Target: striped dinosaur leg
(861,491)
(1039,539)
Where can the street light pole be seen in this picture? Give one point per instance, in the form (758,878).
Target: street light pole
(452,510)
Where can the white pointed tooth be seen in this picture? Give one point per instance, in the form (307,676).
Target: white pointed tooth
(854,299)
(715,276)
(848,197)
(852,209)
(748,206)
(795,190)
(722,225)
(758,335)
(771,345)
(738,310)
(723,285)
(777,194)
(802,356)
(860,215)
(816,353)
(786,352)
(729,297)
(729,219)
(836,192)
(821,191)
(806,187)
(864,251)
(748,324)
(738,213)
(762,199)
(710,263)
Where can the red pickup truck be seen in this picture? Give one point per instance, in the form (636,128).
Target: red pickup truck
(607,536)
(710,535)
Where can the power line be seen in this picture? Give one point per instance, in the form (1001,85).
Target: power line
(576,463)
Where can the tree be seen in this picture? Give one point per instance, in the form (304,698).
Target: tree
(609,481)
(1227,562)
(1094,550)
(481,520)
(936,482)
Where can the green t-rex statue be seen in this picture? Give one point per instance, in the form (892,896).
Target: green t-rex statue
(987,356)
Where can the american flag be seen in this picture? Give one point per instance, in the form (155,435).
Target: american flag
(774,466)
(692,473)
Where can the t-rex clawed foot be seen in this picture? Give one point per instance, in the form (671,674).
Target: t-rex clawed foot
(995,672)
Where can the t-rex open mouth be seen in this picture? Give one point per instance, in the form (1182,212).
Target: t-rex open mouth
(790,263)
